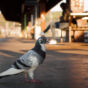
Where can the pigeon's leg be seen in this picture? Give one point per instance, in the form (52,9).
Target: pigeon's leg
(31,75)
(26,76)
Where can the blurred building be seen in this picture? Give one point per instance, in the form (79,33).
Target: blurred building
(79,14)
(9,28)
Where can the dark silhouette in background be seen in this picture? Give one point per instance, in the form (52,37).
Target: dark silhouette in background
(64,19)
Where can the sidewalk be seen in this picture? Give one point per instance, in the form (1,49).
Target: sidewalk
(66,65)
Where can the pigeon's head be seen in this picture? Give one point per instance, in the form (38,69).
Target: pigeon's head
(43,40)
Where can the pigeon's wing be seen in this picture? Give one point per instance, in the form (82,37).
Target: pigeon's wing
(28,60)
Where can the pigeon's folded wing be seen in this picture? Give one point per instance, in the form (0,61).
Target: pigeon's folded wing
(29,59)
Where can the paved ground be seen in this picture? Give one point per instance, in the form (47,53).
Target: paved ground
(66,65)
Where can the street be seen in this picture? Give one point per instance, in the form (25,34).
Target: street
(66,64)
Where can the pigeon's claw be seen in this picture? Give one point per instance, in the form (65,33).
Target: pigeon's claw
(33,81)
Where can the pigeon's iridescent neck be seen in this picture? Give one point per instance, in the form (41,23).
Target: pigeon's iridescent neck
(39,46)
(40,49)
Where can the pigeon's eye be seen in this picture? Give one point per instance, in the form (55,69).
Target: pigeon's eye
(40,40)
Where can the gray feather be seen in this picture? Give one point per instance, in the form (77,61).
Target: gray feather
(31,58)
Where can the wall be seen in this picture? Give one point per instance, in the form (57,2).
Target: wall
(77,6)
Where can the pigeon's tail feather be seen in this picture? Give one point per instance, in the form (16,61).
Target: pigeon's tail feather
(10,71)
(3,76)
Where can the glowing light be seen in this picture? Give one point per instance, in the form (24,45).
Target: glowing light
(43,16)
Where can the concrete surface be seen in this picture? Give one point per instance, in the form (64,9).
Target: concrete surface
(66,65)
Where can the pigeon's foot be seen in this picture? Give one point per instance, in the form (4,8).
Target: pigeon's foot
(33,81)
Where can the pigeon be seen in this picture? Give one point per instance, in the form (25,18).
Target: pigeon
(28,62)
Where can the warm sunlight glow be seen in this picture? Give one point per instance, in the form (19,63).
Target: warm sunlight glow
(42,16)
